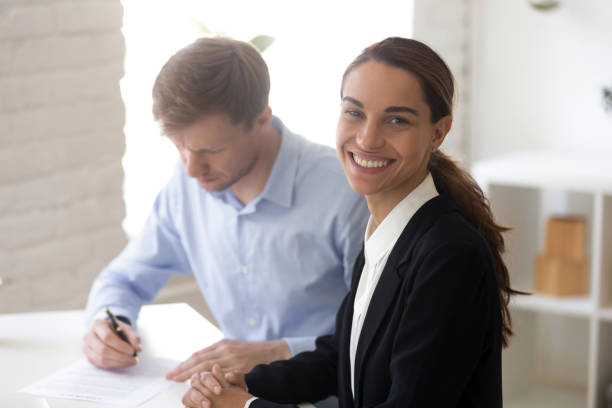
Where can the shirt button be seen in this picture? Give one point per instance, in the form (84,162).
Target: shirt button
(252,322)
(245,270)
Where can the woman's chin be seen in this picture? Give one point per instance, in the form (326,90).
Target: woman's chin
(363,187)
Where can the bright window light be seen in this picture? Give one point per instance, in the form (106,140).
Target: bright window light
(314,42)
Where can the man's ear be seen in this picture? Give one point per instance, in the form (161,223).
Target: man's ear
(264,117)
(441,129)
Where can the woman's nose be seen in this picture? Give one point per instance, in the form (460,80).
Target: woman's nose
(369,137)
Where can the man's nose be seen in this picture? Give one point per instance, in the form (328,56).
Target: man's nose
(194,165)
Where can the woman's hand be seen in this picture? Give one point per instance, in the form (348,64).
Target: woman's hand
(216,389)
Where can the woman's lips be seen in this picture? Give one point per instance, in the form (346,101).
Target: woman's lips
(369,162)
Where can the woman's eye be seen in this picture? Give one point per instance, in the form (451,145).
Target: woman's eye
(398,121)
(353,113)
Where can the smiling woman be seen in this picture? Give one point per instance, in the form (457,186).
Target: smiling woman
(427,314)
(385,133)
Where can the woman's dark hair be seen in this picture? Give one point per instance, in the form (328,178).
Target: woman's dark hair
(438,87)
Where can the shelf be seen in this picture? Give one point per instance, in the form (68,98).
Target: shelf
(565,170)
(548,397)
(606,313)
(568,306)
(561,341)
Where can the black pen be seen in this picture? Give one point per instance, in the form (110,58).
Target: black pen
(120,332)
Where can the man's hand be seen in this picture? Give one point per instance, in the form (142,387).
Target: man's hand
(231,355)
(216,389)
(105,349)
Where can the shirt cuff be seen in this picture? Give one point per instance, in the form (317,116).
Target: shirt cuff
(300,344)
(248,403)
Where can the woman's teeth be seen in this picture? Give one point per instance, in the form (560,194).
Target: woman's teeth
(369,163)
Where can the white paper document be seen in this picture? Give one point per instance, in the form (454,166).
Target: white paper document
(129,386)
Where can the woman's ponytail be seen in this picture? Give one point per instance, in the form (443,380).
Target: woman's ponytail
(474,207)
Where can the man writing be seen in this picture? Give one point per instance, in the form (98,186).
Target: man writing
(264,219)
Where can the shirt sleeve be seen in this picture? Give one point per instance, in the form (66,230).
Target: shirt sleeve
(300,344)
(352,225)
(139,272)
(309,376)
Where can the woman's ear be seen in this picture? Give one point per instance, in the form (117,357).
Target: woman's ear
(441,129)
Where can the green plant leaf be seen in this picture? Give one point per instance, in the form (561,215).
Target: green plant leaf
(544,5)
(199,26)
(262,42)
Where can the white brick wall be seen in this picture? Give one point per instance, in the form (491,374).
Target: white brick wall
(61,143)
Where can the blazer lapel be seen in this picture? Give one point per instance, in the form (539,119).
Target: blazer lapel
(382,298)
(344,380)
(391,278)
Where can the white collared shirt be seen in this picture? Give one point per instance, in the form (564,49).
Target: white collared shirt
(377,249)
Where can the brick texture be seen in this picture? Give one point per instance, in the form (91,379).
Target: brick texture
(61,144)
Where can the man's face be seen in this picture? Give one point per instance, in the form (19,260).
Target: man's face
(216,152)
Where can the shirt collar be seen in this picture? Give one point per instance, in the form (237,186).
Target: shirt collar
(281,182)
(390,229)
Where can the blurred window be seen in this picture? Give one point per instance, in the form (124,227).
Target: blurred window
(314,41)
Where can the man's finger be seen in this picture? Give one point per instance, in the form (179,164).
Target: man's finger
(211,347)
(132,336)
(100,355)
(183,372)
(104,357)
(199,361)
(107,335)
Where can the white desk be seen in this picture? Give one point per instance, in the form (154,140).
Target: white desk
(34,345)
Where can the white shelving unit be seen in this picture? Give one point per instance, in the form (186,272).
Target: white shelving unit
(561,354)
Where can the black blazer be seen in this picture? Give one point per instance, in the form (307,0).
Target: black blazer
(431,336)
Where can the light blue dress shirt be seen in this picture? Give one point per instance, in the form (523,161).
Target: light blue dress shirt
(277,267)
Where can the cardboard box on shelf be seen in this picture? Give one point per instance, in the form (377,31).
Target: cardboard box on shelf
(559,276)
(566,237)
(563,270)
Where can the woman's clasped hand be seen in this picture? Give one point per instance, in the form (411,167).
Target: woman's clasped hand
(206,388)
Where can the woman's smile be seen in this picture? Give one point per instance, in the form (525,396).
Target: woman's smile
(369,162)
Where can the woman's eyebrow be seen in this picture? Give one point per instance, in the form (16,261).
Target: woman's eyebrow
(353,101)
(402,109)
(389,109)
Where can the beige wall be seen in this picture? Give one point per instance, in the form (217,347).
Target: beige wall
(540,77)
(61,143)
(446,27)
